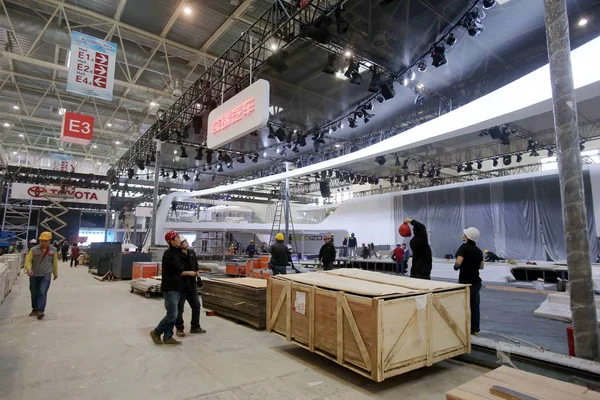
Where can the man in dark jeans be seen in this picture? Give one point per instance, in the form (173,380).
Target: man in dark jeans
(40,264)
(74,255)
(327,254)
(189,293)
(421,251)
(173,269)
(469,260)
(280,255)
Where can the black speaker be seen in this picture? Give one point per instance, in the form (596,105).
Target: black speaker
(325,189)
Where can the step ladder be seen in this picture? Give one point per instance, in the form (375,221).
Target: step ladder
(278,215)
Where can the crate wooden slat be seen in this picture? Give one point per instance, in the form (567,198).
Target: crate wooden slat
(378,330)
(524,383)
(244,299)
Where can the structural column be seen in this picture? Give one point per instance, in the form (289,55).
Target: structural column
(155,195)
(571,181)
(107,218)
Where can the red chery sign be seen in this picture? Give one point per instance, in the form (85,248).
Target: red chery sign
(26,191)
(77,128)
(233,116)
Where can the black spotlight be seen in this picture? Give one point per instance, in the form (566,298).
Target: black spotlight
(198,154)
(380,98)
(353,73)
(183,153)
(479,164)
(330,67)
(459,168)
(140,165)
(488,4)
(495,161)
(550,152)
(186,177)
(405,164)
(472,22)
(506,160)
(162,173)
(280,134)
(174,176)
(302,140)
(226,158)
(469,167)
(271,132)
(254,158)
(352,122)
(220,168)
(519,157)
(438,56)
(209,156)
(130,173)
(380,160)
(422,66)
(451,40)
(197,178)
(581,145)
(241,159)
(277,61)
(367,117)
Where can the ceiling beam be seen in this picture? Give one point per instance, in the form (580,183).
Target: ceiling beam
(226,25)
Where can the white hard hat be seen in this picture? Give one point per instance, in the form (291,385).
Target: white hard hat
(472,233)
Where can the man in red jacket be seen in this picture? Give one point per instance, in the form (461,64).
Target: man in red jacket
(398,256)
(74,254)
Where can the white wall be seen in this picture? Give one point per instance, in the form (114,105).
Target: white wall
(595,182)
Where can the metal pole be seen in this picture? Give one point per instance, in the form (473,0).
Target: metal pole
(287,204)
(107,219)
(570,174)
(155,195)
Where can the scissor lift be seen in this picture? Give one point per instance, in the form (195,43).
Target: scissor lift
(54,217)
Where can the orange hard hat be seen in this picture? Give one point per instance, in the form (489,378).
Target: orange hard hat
(404,230)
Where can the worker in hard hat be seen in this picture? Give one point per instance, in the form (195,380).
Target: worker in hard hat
(469,260)
(327,253)
(352,245)
(41,262)
(345,246)
(280,255)
(421,251)
(251,249)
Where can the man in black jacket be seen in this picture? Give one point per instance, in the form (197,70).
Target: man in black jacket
(173,269)
(280,255)
(189,292)
(421,252)
(352,244)
(327,254)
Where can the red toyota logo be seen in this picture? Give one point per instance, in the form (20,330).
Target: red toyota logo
(35,191)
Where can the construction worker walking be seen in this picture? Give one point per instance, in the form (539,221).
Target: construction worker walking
(40,263)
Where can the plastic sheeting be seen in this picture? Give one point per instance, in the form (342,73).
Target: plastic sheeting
(520,218)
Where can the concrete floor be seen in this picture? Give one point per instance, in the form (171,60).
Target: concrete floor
(94,344)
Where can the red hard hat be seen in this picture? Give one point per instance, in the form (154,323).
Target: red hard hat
(404,230)
(171,235)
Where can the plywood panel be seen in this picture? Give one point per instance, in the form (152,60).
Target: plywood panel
(252,282)
(300,313)
(412,285)
(443,336)
(279,322)
(325,323)
(348,285)
(362,315)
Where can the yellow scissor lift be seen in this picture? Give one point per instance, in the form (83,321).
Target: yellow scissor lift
(55,198)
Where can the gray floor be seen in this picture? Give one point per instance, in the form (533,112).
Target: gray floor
(510,313)
(94,344)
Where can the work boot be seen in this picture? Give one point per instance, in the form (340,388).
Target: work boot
(155,337)
(33,313)
(180,333)
(197,330)
(172,341)
(40,315)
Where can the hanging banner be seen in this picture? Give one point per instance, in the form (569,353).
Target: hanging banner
(62,162)
(77,128)
(92,66)
(26,191)
(245,112)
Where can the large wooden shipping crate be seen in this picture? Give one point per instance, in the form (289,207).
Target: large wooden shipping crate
(375,324)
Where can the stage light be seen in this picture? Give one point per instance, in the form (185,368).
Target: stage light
(495,161)
(295,149)
(271,132)
(186,177)
(397,163)
(380,160)
(459,168)
(187,10)
(369,106)
(451,40)
(197,178)
(130,173)
(198,154)
(519,157)
(140,165)
(353,73)
(220,167)
(174,176)
(352,122)
(405,164)
(380,98)
(479,164)
(582,22)
(488,3)
(183,153)
(412,75)
(472,22)
(162,173)
(506,160)
(254,158)
(438,56)
(550,152)
(302,140)
(330,68)
(422,66)
(376,82)
(469,167)
(341,24)
(226,158)
(280,134)
(319,31)
(581,146)
(367,117)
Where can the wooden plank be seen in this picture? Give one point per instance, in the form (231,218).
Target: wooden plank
(348,285)
(410,284)
(509,394)
(390,356)
(311,321)
(251,282)
(467,303)
(357,336)
(340,328)
(560,386)
(377,348)
(449,320)
(269,305)
(428,330)
(288,308)
(277,310)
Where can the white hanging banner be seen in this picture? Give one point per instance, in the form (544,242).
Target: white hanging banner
(92,66)
(245,112)
(26,191)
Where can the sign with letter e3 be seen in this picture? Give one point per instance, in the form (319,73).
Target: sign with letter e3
(245,112)
(91,66)
(77,128)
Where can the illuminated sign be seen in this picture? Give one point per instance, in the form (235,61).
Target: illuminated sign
(245,112)
(26,191)
(77,128)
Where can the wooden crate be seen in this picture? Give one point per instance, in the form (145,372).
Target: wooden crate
(521,385)
(374,324)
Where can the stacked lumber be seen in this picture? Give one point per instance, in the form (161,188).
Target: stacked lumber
(510,383)
(243,299)
(374,324)
(10,266)
(146,285)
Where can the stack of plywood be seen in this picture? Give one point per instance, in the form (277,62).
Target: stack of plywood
(375,324)
(10,266)
(243,299)
(510,383)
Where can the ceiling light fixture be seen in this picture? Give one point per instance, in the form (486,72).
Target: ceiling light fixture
(187,10)
(16,107)
(582,22)
(422,66)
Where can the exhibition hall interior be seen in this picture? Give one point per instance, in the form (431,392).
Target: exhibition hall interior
(299,199)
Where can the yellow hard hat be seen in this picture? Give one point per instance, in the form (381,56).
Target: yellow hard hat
(46,236)
(486,251)
(252,241)
(279,236)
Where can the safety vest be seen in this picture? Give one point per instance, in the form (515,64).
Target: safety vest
(42,265)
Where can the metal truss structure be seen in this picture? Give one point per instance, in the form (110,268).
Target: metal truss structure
(15,218)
